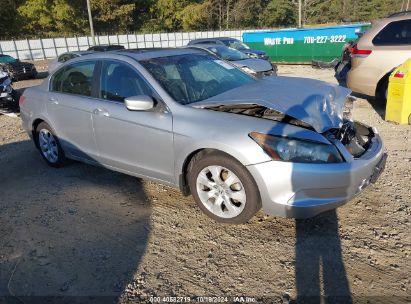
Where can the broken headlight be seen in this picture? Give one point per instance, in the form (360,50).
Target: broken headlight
(296,150)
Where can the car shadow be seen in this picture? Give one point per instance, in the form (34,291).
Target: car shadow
(318,253)
(75,234)
(319,259)
(378,106)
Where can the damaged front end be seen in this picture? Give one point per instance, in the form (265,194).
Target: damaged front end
(354,136)
(351,138)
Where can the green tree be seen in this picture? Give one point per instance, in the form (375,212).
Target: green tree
(9,24)
(48,17)
(196,16)
(112,16)
(279,13)
(166,15)
(247,13)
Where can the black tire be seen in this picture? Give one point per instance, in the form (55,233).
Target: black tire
(216,158)
(61,159)
(382,92)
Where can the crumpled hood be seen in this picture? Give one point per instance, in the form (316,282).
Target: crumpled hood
(258,65)
(317,103)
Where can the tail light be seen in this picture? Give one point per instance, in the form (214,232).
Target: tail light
(356,52)
(22,100)
(399,74)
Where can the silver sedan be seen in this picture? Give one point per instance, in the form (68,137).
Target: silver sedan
(190,120)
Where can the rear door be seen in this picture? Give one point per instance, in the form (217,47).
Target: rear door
(140,142)
(69,108)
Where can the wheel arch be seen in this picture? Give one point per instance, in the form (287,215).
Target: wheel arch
(189,159)
(381,82)
(34,125)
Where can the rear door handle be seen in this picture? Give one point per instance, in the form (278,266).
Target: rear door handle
(101,112)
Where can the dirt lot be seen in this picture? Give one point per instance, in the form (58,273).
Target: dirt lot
(82,231)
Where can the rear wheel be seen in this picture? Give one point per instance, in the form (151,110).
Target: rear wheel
(49,146)
(223,188)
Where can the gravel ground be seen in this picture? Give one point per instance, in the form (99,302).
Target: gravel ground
(87,234)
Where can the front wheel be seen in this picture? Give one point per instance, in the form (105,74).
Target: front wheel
(223,188)
(49,146)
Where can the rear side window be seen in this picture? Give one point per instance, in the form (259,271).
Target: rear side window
(74,79)
(395,33)
(119,81)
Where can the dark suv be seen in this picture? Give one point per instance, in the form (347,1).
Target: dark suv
(17,69)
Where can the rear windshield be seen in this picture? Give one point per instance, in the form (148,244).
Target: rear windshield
(395,33)
(227,53)
(195,77)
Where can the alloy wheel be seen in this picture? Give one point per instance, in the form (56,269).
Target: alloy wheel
(48,146)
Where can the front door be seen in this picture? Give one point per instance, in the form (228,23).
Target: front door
(140,142)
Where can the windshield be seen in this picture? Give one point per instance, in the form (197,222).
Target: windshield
(194,77)
(227,53)
(236,44)
(6,59)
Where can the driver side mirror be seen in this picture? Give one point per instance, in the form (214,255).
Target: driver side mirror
(139,103)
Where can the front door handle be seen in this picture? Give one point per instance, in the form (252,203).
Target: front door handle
(101,112)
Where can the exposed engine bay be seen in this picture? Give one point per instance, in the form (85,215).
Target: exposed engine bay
(355,136)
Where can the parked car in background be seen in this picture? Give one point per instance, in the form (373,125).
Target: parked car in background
(378,52)
(189,120)
(8,95)
(58,61)
(106,47)
(17,69)
(232,43)
(254,66)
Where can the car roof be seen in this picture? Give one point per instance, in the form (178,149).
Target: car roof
(404,13)
(79,52)
(395,17)
(216,38)
(143,54)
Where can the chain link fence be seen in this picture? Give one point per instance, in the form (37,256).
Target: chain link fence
(37,49)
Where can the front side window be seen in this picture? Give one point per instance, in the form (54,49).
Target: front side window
(395,33)
(74,79)
(119,81)
(194,77)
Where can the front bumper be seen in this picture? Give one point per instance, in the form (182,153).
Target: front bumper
(300,190)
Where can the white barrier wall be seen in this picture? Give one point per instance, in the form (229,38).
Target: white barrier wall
(35,49)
